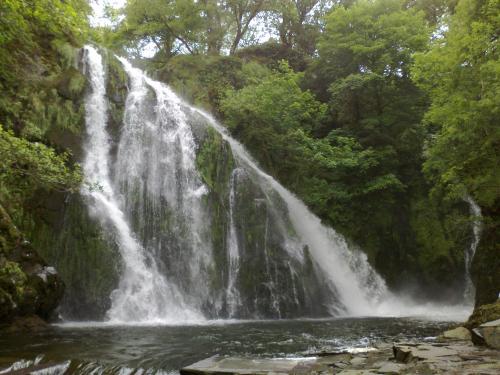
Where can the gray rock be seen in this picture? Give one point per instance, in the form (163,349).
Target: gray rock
(402,354)
(477,337)
(358,361)
(491,333)
(430,352)
(391,368)
(459,333)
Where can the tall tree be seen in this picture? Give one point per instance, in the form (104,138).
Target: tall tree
(298,24)
(462,76)
(243,12)
(170,25)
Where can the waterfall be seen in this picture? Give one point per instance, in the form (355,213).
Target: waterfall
(475,212)
(232,244)
(144,294)
(359,286)
(233,296)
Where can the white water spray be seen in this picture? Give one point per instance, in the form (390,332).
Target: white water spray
(143,293)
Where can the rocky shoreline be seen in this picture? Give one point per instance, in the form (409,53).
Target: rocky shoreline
(454,352)
(450,357)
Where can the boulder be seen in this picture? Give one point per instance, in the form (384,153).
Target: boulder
(459,333)
(483,314)
(30,323)
(477,337)
(491,333)
(402,354)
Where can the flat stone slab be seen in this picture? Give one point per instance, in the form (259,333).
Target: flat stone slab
(245,366)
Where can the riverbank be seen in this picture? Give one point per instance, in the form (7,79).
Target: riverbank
(450,357)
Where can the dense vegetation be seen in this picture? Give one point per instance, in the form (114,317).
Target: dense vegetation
(39,107)
(382,115)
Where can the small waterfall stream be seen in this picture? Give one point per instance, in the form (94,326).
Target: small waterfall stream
(233,295)
(251,250)
(469,253)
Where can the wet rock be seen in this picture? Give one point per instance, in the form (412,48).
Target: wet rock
(358,361)
(459,333)
(402,354)
(477,337)
(456,357)
(341,364)
(28,286)
(491,333)
(31,323)
(391,368)
(431,352)
(484,314)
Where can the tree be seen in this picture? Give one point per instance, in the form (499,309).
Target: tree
(259,115)
(377,37)
(461,73)
(366,52)
(298,24)
(243,13)
(171,25)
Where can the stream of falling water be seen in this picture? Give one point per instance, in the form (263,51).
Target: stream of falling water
(475,211)
(143,294)
(233,295)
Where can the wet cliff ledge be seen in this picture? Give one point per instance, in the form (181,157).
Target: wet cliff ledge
(29,288)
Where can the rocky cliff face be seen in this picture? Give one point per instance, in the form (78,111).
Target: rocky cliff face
(28,286)
(486,263)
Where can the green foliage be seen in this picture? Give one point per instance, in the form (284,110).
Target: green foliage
(277,103)
(275,120)
(205,81)
(370,37)
(27,166)
(462,76)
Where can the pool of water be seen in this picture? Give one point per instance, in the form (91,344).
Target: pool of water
(88,348)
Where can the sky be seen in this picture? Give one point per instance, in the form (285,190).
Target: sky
(98,18)
(98,6)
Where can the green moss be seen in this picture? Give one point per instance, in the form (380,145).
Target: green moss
(483,314)
(215,163)
(440,239)
(84,255)
(13,278)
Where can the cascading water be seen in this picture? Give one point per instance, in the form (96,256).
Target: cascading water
(228,242)
(349,273)
(233,295)
(475,212)
(144,293)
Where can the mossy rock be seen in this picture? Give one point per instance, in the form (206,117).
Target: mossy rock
(483,314)
(71,84)
(27,285)
(486,263)
(84,254)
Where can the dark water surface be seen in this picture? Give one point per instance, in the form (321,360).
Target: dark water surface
(168,348)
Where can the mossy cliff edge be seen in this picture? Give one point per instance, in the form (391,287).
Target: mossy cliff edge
(28,286)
